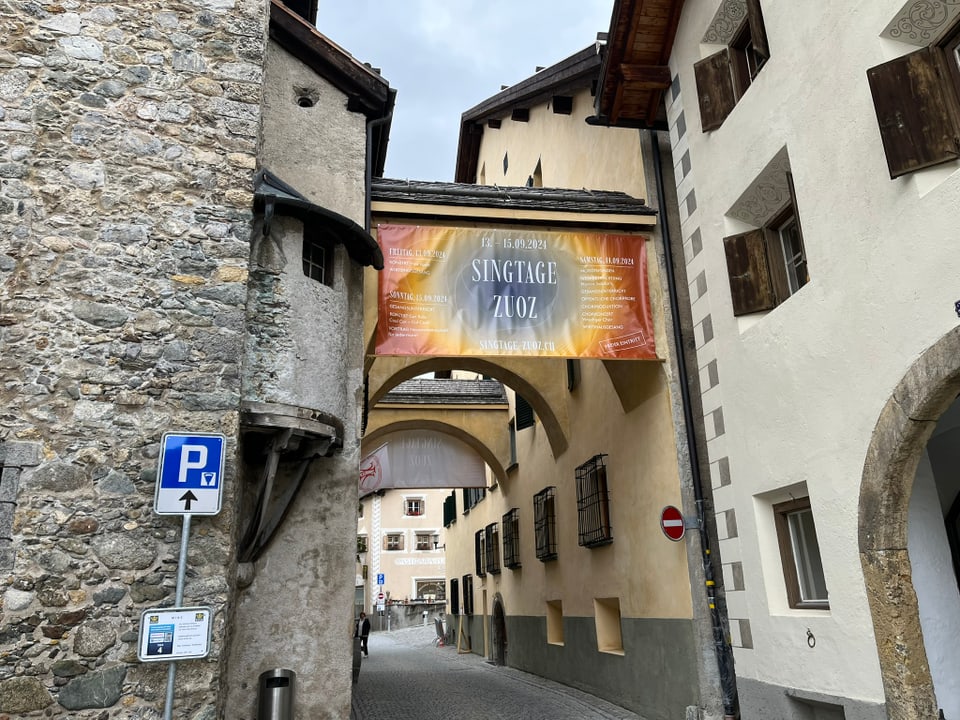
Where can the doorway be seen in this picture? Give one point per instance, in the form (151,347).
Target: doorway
(499,632)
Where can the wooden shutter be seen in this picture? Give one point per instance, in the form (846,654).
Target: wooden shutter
(524,414)
(715,89)
(916,110)
(750,286)
(758,33)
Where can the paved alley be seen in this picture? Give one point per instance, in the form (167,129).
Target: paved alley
(406,677)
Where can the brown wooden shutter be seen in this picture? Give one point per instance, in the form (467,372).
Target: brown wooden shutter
(524,414)
(758,33)
(714,89)
(750,284)
(917,111)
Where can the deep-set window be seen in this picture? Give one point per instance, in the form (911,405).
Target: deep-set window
(455,596)
(424,541)
(361,543)
(480,552)
(471,496)
(545,523)
(769,264)
(413,507)
(492,546)
(524,414)
(917,101)
(467,588)
(511,539)
(450,509)
(724,77)
(800,555)
(317,257)
(393,541)
(593,504)
(430,589)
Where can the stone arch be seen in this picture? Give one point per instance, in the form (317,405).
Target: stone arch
(541,382)
(486,453)
(905,425)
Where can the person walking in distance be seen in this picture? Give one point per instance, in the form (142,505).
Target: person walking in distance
(363,632)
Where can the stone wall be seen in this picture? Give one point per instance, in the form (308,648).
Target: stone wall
(128,137)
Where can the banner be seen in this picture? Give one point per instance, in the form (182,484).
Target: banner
(421,459)
(475,291)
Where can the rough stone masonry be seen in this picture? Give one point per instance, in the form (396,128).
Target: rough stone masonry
(128,138)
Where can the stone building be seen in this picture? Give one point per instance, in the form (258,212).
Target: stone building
(182,202)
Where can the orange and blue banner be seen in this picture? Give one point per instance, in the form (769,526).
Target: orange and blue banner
(481,291)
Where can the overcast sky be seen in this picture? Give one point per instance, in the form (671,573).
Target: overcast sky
(445,56)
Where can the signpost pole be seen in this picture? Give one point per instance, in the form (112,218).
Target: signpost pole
(181,577)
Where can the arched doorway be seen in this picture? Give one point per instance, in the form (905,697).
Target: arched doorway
(499,631)
(904,550)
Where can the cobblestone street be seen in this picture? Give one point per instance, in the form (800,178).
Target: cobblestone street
(406,677)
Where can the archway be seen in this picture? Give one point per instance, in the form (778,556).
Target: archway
(899,443)
(499,632)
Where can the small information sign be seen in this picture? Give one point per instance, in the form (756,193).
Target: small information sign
(168,634)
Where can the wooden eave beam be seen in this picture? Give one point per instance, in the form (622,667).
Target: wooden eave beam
(645,77)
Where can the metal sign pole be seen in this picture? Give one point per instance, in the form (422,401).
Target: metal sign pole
(181,576)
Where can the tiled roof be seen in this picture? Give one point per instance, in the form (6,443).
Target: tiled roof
(492,196)
(425,391)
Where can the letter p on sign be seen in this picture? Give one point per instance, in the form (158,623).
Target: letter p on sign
(186,463)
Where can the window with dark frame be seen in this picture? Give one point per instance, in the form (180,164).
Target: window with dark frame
(524,414)
(471,496)
(767,265)
(361,543)
(512,429)
(479,552)
(467,589)
(545,523)
(593,504)
(511,538)
(723,78)
(917,101)
(450,509)
(800,555)
(455,596)
(492,546)
(317,257)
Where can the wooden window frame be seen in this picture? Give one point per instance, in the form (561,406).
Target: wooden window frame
(427,544)
(317,257)
(545,523)
(387,542)
(467,588)
(781,513)
(362,544)
(479,552)
(411,510)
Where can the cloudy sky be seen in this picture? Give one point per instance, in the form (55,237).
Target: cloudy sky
(445,56)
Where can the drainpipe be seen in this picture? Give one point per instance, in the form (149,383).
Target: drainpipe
(728,682)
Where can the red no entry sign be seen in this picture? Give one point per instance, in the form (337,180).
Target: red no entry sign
(671,522)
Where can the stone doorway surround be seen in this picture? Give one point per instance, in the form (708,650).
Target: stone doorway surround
(905,425)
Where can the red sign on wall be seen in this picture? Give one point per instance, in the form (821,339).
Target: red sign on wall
(671,522)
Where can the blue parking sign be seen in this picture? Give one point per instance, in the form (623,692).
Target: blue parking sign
(190,476)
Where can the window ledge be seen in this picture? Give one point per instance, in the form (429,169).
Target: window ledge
(620,652)
(554,643)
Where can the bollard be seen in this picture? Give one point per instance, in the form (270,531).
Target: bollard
(425,618)
(276,694)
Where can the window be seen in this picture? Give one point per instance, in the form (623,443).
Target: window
(471,496)
(450,509)
(479,552)
(511,538)
(361,543)
(724,77)
(454,596)
(769,264)
(430,590)
(413,507)
(800,554)
(467,594)
(424,541)
(915,97)
(317,255)
(393,541)
(573,374)
(593,504)
(512,429)
(492,542)
(524,414)
(545,523)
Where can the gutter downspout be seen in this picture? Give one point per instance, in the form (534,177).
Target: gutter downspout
(368,173)
(728,682)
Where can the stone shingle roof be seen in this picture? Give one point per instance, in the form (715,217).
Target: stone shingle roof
(426,391)
(493,196)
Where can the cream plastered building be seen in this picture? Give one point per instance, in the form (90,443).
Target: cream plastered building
(815,150)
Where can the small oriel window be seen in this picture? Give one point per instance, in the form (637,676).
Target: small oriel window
(317,258)
(800,554)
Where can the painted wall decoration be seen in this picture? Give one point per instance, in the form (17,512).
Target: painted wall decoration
(476,291)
